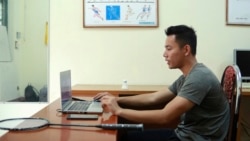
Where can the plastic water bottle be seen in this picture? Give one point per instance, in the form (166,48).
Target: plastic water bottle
(124,84)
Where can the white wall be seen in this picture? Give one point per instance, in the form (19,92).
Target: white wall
(108,55)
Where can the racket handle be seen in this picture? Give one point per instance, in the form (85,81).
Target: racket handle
(122,126)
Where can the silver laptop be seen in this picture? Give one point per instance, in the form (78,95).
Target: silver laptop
(69,105)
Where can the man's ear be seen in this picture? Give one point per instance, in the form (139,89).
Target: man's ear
(187,49)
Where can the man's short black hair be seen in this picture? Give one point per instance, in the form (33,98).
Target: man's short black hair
(183,35)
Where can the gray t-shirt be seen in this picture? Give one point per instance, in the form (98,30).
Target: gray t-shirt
(208,120)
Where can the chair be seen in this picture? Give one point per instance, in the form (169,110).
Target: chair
(231,84)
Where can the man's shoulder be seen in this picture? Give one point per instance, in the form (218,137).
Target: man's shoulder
(200,66)
(202,75)
(201,69)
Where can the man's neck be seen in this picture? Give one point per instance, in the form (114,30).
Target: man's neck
(188,67)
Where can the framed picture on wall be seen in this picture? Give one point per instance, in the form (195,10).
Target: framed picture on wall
(237,12)
(120,13)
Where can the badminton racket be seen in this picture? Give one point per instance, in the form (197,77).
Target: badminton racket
(24,124)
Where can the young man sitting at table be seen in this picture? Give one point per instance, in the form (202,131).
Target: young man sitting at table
(195,98)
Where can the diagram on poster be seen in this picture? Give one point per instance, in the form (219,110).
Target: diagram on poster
(119,13)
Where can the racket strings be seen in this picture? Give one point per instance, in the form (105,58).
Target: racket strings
(23,123)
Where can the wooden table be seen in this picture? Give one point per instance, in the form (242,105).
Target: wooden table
(57,133)
(246,91)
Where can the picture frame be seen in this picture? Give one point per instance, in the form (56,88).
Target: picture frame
(120,13)
(237,12)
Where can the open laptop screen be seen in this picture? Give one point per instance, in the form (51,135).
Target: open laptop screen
(65,84)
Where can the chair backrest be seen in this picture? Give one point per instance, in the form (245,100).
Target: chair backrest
(231,84)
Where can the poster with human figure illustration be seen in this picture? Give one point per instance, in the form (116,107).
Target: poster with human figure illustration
(120,13)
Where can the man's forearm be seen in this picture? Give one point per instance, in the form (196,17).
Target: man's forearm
(135,101)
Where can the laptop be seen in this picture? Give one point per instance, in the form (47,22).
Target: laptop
(69,105)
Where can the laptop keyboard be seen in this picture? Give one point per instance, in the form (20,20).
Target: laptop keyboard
(80,106)
(96,104)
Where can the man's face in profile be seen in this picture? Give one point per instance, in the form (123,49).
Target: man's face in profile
(173,54)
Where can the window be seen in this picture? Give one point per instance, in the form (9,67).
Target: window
(3,12)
